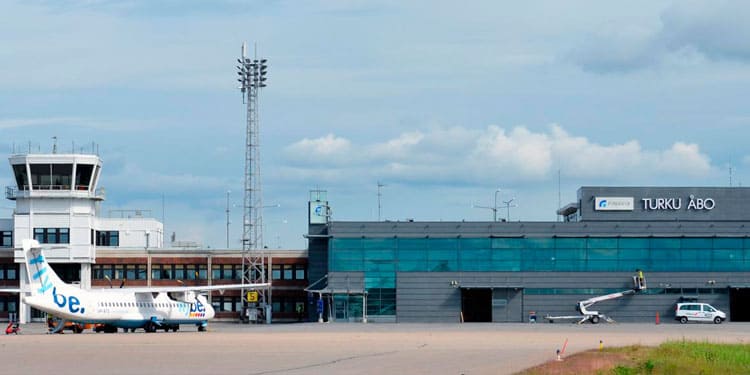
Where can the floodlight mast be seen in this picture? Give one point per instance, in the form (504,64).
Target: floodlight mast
(252,77)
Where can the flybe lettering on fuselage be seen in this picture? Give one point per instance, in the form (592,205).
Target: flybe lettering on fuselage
(197,310)
(40,274)
(72,302)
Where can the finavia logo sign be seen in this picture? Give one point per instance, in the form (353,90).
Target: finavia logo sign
(613,203)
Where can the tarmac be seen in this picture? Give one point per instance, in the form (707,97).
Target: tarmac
(333,349)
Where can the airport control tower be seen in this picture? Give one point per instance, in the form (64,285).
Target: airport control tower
(57,202)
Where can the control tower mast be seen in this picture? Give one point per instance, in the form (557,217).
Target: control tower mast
(252,77)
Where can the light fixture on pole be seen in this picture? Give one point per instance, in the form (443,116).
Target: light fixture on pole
(495,205)
(507,204)
(380,185)
(252,77)
(228,222)
(493,208)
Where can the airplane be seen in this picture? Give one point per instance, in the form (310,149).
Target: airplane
(150,308)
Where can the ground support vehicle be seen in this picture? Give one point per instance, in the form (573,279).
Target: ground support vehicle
(699,312)
(594,317)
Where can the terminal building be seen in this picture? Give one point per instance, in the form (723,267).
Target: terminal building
(691,243)
(58,202)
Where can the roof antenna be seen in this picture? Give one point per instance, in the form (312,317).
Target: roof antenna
(54,144)
(380,185)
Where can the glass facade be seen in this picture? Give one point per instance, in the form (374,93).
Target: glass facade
(381,258)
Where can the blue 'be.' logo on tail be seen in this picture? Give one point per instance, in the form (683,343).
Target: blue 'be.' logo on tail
(72,302)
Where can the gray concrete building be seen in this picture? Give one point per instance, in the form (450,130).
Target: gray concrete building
(691,242)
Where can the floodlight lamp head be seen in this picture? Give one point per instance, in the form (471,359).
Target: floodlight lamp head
(263,61)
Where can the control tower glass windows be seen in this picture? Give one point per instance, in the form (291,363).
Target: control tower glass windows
(83,176)
(51,176)
(52,235)
(22,178)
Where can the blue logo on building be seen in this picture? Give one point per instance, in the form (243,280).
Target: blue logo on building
(603,203)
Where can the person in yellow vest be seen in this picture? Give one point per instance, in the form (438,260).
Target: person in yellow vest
(640,278)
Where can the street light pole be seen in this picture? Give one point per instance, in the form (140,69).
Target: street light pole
(508,206)
(380,185)
(228,222)
(495,206)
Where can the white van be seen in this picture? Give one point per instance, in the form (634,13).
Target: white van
(699,312)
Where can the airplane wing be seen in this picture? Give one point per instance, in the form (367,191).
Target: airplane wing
(178,289)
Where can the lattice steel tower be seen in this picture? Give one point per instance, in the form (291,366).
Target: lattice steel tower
(252,77)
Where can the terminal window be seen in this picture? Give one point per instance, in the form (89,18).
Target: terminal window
(6,238)
(8,303)
(119,271)
(288,272)
(108,238)
(376,257)
(52,235)
(8,271)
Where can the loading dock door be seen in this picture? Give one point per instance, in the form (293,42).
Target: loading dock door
(506,305)
(476,304)
(739,304)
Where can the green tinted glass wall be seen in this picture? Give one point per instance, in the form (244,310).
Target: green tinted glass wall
(381,258)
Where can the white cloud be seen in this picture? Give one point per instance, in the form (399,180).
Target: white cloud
(494,154)
(327,149)
(683,31)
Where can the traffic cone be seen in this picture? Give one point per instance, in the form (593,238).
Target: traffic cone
(657,317)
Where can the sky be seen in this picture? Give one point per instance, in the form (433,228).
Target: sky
(442,102)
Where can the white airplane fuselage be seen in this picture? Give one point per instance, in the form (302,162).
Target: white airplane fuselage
(139,307)
(119,308)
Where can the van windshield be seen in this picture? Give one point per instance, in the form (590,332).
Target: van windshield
(708,308)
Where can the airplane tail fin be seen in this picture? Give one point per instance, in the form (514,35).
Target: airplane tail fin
(41,276)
